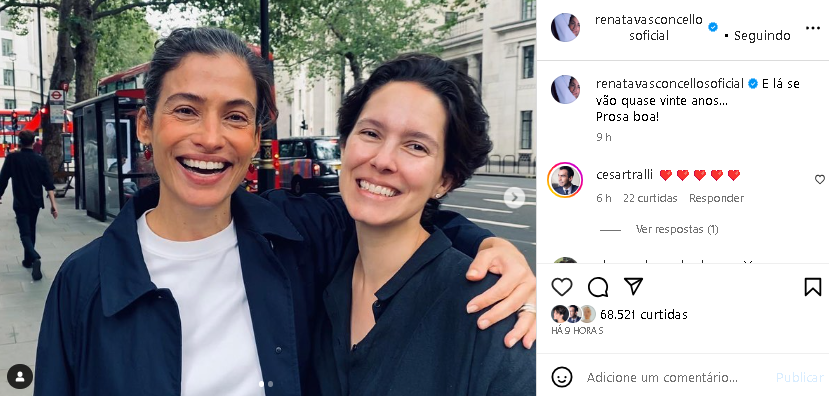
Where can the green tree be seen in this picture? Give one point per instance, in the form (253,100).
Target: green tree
(330,36)
(125,40)
(78,43)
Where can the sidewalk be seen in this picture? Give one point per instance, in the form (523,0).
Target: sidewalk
(21,299)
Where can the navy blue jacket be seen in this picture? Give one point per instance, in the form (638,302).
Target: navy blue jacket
(423,342)
(108,330)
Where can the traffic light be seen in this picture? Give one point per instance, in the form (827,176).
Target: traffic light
(303,125)
(14,121)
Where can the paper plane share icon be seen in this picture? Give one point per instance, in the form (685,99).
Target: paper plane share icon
(634,284)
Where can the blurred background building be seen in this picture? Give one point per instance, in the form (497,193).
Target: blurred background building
(495,45)
(21,66)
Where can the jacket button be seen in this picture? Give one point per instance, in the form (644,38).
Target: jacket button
(377,304)
(278,350)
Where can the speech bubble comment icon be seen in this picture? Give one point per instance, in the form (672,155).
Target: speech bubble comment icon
(597,287)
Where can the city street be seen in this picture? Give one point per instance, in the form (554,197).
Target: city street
(482,201)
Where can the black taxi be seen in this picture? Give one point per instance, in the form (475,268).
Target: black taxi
(310,163)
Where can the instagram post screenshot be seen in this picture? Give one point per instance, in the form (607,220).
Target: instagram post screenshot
(681,197)
(430,197)
(271,197)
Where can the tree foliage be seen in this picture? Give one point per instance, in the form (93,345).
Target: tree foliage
(125,40)
(328,35)
(78,43)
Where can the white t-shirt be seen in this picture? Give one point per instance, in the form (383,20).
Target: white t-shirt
(205,277)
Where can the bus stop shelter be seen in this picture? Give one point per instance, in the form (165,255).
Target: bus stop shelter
(110,165)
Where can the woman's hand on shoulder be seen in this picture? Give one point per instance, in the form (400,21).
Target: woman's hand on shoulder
(515,288)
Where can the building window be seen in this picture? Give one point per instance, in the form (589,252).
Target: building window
(527,9)
(450,17)
(526,130)
(8,77)
(529,61)
(4,21)
(8,47)
(9,104)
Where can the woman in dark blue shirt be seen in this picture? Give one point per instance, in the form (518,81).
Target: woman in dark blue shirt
(109,329)
(415,130)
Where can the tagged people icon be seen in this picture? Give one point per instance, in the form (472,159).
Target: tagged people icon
(19,376)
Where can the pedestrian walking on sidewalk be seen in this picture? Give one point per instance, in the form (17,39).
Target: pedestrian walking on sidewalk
(31,174)
(38,147)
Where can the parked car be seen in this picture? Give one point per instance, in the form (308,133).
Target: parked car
(310,164)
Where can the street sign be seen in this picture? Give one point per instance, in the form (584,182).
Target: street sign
(56,114)
(64,86)
(56,102)
(55,96)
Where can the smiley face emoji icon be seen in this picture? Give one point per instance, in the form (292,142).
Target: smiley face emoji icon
(562,377)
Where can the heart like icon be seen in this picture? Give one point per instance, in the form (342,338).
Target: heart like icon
(559,284)
(716,174)
(819,179)
(699,174)
(665,174)
(734,174)
(682,174)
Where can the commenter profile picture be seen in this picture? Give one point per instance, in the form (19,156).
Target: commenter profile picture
(565,89)
(565,180)
(565,27)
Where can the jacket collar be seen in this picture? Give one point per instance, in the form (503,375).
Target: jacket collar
(434,246)
(126,279)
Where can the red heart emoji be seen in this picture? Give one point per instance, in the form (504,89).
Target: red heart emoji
(699,174)
(716,174)
(733,174)
(682,174)
(665,174)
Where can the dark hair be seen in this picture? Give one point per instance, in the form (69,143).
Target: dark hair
(570,171)
(571,18)
(573,79)
(561,310)
(27,138)
(575,308)
(467,122)
(208,41)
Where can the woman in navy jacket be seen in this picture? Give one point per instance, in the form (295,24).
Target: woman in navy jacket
(413,131)
(109,329)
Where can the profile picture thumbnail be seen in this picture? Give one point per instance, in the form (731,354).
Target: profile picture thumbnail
(560,314)
(566,89)
(587,313)
(565,260)
(564,179)
(565,27)
(574,312)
